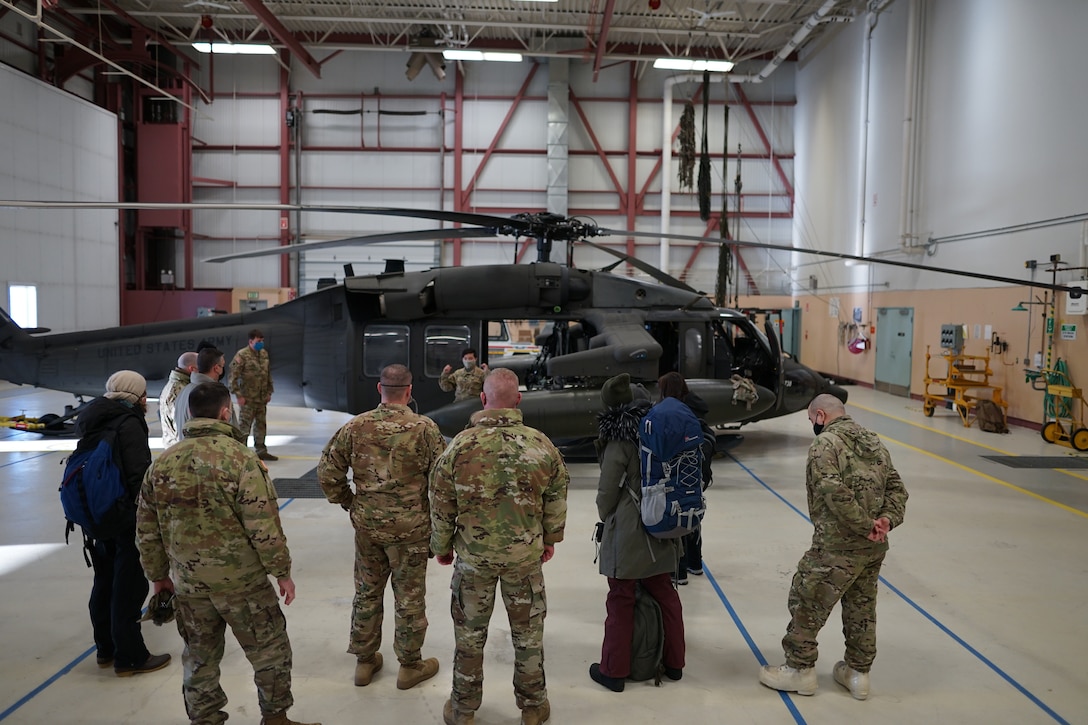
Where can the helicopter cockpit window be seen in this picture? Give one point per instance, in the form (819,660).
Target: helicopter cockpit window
(442,346)
(384,345)
(693,353)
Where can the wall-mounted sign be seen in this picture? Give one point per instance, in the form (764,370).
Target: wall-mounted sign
(253,295)
(1069,331)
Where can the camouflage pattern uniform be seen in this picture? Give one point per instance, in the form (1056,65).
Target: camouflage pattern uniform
(498,495)
(851,482)
(390,451)
(208,513)
(167,398)
(467,383)
(251,379)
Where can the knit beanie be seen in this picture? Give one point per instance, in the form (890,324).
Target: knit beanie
(126,385)
(616,391)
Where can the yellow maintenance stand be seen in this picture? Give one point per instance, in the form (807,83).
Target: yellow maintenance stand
(965,375)
(1063,408)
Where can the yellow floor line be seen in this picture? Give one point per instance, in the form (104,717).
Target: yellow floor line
(988,477)
(931,429)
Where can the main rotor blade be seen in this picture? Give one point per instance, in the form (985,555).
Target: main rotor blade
(457,217)
(660,275)
(842,255)
(413,236)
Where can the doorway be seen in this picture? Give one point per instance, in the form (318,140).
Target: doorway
(894,340)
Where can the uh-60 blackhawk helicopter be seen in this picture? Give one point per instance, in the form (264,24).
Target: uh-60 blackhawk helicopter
(329,346)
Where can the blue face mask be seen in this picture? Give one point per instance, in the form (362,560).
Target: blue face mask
(258,346)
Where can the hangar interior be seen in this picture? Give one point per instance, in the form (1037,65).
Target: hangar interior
(942,134)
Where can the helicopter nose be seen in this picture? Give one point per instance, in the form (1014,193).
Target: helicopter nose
(836,390)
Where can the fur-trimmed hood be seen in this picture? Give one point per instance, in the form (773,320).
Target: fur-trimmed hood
(620,422)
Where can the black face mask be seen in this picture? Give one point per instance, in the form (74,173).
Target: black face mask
(817,428)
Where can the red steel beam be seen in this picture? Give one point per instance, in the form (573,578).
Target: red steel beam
(657,165)
(120,12)
(282,34)
(606,25)
(498,134)
(600,151)
(766,142)
(710,226)
(525,246)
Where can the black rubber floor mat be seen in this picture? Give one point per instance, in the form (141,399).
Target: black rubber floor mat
(305,487)
(1039,461)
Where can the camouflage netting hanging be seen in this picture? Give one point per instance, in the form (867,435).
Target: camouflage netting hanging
(687,147)
(704,157)
(725,252)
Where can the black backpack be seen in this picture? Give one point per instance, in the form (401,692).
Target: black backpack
(93,493)
(648,639)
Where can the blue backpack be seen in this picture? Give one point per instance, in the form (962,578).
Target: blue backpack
(671,458)
(93,493)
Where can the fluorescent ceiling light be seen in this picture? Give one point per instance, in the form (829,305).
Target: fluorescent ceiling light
(481,55)
(235,48)
(714,66)
(539,1)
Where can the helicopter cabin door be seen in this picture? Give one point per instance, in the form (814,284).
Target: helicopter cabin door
(424,346)
(439,343)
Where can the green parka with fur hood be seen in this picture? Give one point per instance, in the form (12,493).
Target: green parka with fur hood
(627,550)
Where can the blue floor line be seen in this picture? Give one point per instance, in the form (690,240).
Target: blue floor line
(68,667)
(33,693)
(955,638)
(786,699)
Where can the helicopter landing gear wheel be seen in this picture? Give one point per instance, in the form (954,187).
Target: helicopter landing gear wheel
(1080,439)
(1052,432)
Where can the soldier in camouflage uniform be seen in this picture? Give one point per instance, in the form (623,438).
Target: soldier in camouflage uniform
(855,497)
(179,378)
(390,451)
(499,499)
(467,382)
(251,383)
(208,513)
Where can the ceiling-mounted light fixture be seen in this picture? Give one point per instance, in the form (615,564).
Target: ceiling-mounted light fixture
(454,54)
(234,48)
(714,66)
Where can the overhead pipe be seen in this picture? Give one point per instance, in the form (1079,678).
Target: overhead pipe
(666,131)
(863,141)
(911,105)
(803,32)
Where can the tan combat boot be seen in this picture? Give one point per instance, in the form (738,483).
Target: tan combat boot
(536,715)
(280,718)
(415,673)
(851,679)
(364,671)
(789,679)
(453,716)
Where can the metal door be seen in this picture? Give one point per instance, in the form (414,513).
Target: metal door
(791,332)
(894,339)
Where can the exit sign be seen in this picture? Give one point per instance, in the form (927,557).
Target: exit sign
(253,295)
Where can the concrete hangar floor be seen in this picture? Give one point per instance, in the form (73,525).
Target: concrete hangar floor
(980,612)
